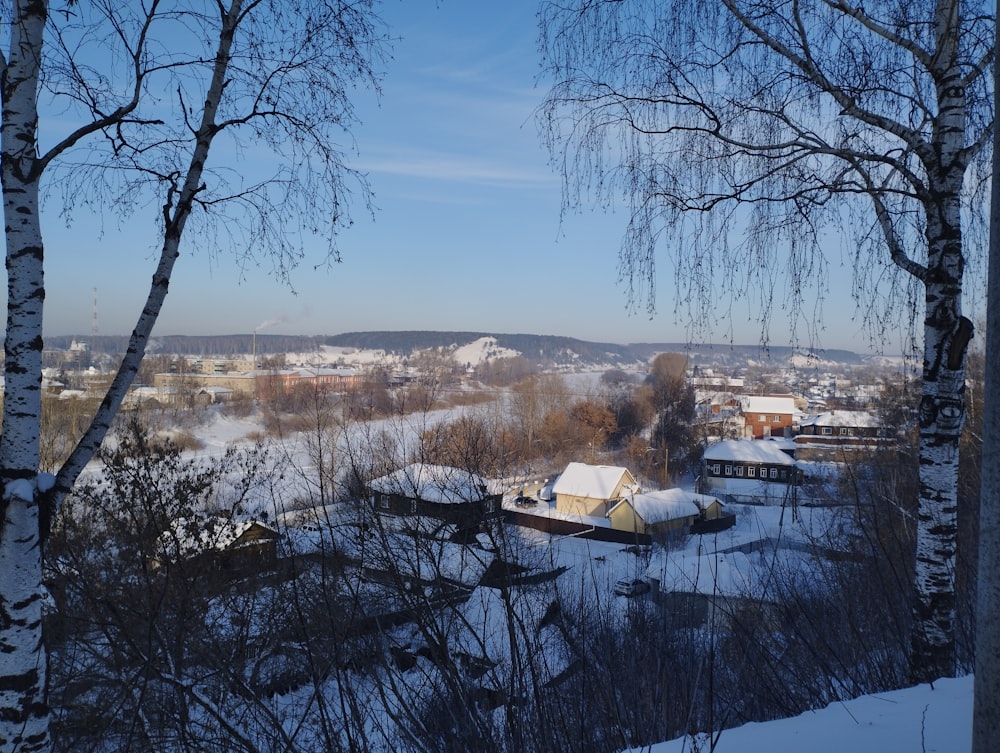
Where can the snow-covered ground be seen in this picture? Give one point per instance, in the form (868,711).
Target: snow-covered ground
(922,719)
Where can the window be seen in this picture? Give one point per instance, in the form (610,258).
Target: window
(845,432)
(716,468)
(751,472)
(739,470)
(762,418)
(774,473)
(383,502)
(776,419)
(729,470)
(827,431)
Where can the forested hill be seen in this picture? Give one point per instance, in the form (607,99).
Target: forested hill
(544,349)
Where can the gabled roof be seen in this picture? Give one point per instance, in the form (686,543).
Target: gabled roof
(750,451)
(441,484)
(851,418)
(188,537)
(763,404)
(593,481)
(668,504)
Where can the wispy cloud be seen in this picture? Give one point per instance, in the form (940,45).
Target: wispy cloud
(456,168)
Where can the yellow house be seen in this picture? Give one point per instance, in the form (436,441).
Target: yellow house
(663,511)
(592,490)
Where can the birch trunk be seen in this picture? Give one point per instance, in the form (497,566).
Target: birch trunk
(23,709)
(27,505)
(946,337)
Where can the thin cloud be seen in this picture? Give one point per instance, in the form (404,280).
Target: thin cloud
(456,168)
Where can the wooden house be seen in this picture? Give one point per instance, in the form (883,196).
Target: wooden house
(592,490)
(436,491)
(664,512)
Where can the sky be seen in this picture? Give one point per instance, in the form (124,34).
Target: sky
(466,235)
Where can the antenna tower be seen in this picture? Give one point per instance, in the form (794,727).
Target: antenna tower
(93,321)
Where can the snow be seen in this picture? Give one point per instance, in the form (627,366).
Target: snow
(921,719)
(749,450)
(482,350)
(433,483)
(849,418)
(670,504)
(593,481)
(761,404)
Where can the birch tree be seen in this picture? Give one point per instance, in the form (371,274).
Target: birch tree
(121,104)
(744,135)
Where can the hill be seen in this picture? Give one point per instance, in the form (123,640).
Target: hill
(548,351)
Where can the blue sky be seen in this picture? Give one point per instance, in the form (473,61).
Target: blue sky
(466,234)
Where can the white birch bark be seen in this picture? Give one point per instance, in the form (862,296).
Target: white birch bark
(23,709)
(946,336)
(24,714)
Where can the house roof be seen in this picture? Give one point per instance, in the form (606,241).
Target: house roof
(434,483)
(765,404)
(852,418)
(188,537)
(669,504)
(593,481)
(750,451)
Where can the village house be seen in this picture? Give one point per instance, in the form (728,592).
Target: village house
(767,416)
(664,512)
(229,546)
(592,490)
(761,471)
(846,429)
(437,491)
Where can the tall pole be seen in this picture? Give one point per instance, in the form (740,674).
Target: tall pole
(986,705)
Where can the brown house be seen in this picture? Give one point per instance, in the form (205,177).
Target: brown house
(437,491)
(234,547)
(766,416)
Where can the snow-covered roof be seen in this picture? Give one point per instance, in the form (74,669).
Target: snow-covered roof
(750,451)
(852,418)
(188,537)
(592,481)
(766,404)
(434,483)
(669,504)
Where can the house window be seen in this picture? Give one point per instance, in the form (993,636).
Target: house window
(845,432)
(827,430)
(716,469)
(729,470)
(383,502)
(776,419)
(751,471)
(762,418)
(774,473)
(739,470)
